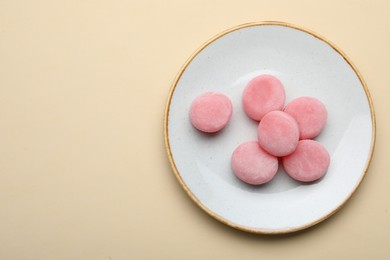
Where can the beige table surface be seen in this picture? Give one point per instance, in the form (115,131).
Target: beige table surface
(83,169)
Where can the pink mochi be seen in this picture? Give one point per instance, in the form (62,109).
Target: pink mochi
(308,163)
(278,133)
(210,112)
(251,164)
(310,114)
(263,94)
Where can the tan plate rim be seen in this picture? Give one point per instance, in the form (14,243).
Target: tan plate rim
(172,162)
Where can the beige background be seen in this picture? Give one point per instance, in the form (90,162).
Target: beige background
(83,169)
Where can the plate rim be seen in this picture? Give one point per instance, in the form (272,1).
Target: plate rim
(172,161)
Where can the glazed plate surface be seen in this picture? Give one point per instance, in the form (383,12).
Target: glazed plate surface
(308,65)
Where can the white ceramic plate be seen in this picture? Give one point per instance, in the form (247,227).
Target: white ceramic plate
(308,65)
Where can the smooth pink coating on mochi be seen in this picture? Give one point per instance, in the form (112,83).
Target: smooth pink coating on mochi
(278,133)
(210,112)
(251,164)
(262,95)
(310,114)
(308,163)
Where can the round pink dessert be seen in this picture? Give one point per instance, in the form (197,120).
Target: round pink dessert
(308,163)
(263,94)
(278,133)
(252,164)
(210,112)
(310,115)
